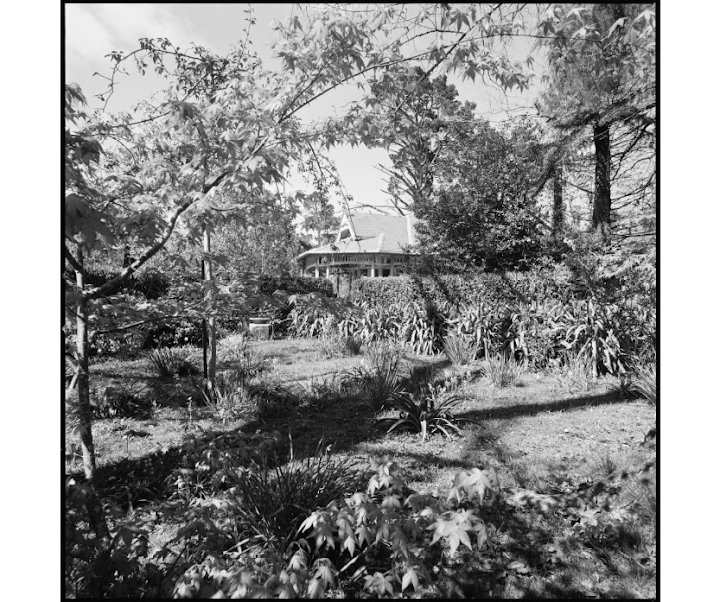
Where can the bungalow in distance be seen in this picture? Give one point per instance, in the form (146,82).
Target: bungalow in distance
(367,246)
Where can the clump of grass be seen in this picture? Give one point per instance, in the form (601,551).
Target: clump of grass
(230,395)
(460,349)
(275,500)
(645,383)
(379,376)
(333,344)
(243,359)
(172,361)
(623,387)
(503,371)
(122,399)
(574,372)
(336,387)
(605,466)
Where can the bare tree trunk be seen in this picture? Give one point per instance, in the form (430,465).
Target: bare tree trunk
(96,516)
(601,202)
(210,294)
(558,223)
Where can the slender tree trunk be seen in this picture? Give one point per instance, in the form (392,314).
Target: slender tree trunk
(558,224)
(96,516)
(210,294)
(601,203)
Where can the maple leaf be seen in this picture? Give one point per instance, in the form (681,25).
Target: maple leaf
(325,573)
(453,533)
(316,589)
(298,561)
(410,577)
(363,534)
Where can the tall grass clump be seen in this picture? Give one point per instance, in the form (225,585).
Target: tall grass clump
(574,372)
(379,374)
(169,362)
(274,500)
(459,349)
(503,370)
(246,361)
(230,395)
(645,383)
(334,343)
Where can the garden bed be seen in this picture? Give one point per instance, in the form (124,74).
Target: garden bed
(545,439)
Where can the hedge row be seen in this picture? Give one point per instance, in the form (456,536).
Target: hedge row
(493,288)
(293,286)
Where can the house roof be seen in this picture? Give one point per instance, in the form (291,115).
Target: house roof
(371,233)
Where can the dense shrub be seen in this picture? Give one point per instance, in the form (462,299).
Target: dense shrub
(152,285)
(174,333)
(296,286)
(511,287)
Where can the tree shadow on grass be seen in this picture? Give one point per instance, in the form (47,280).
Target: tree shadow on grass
(531,409)
(556,561)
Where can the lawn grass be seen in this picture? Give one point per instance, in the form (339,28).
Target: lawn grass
(542,437)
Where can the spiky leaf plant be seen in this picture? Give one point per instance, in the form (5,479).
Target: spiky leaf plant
(379,375)
(429,413)
(172,361)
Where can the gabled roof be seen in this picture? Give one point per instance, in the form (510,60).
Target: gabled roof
(371,233)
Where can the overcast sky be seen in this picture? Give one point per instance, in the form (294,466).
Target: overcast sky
(93,30)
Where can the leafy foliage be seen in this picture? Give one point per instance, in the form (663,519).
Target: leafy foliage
(421,116)
(481,213)
(116,574)
(511,287)
(386,516)
(601,90)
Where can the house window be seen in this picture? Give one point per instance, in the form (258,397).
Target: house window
(345,233)
(385,272)
(364,272)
